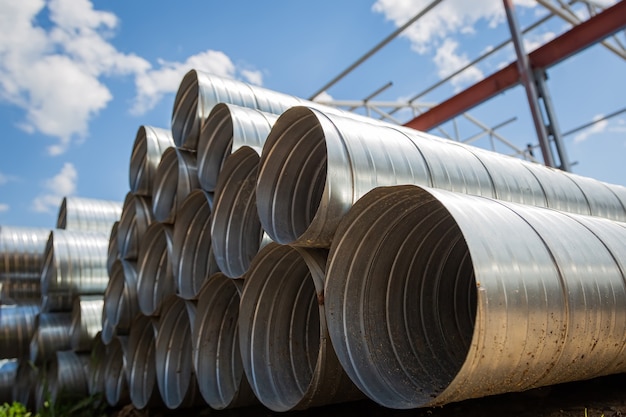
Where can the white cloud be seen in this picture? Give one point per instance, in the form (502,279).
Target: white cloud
(3,179)
(323,97)
(4,207)
(599,127)
(534,41)
(61,185)
(253,77)
(448,60)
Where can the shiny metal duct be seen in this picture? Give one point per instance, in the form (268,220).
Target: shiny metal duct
(25,383)
(433,297)
(315,165)
(136,218)
(52,333)
(86,321)
(21,259)
(155,281)
(8,374)
(227,128)
(141,367)
(108,330)
(67,377)
(97,364)
(192,255)
(176,176)
(88,215)
(286,351)
(120,298)
(17,326)
(115,380)
(236,230)
(215,340)
(113,252)
(75,264)
(150,143)
(174,371)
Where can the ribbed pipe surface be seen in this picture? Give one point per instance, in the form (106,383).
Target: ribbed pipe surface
(150,143)
(52,333)
(236,230)
(227,128)
(215,338)
(75,264)
(136,218)
(17,326)
(433,297)
(108,330)
(176,177)
(286,351)
(86,321)
(315,165)
(97,365)
(8,373)
(192,257)
(24,389)
(155,280)
(88,214)
(141,366)
(21,259)
(67,377)
(174,371)
(115,379)
(120,299)
(113,252)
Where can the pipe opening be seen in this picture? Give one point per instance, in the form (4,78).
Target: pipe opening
(214,145)
(165,187)
(280,360)
(184,116)
(116,385)
(292,175)
(142,372)
(155,280)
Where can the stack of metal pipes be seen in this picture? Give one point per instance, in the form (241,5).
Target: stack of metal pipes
(53,284)
(272,250)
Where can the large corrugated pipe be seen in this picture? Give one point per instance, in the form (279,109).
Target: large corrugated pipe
(86,321)
(150,143)
(88,215)
(8,374)
(227,128)
(155,280)
(192,255)
(75,264)
(433,297)
(120,298)
(176,177)
(236,230)
(286,351)
(141,366)
(136,218)
(97,365)
(17,327)
(21,259)
(315,165)
(52,333)
(113,252)
(25,383)
(66,377)
(115,375)
(173,350)
(215,340)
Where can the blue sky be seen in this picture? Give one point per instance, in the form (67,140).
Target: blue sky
(78,77)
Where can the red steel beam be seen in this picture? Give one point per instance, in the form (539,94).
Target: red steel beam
(589,32)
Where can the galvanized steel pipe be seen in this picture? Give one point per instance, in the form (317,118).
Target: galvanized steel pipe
(113,252)
(67,377)
(120,298)
(136,218)
(226,129)
(174,371)
(88,214)
(236,230)
(286,351)
(150,143)
(86,321)
(141,366)
(155,281)
(97,364)
(8,373)
(433,297)
(52,333)
(25,383)
(17,326)
(315,165)
(115,380)
(215,340)
(192,255)
(75,264)
(21,259)
(176,177)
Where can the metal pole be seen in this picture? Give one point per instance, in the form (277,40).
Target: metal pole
(528,81)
